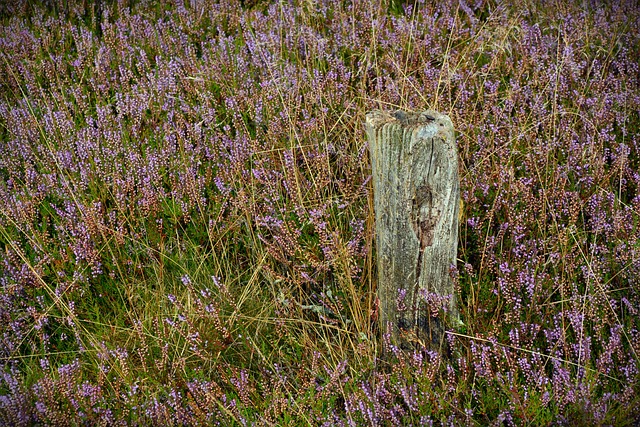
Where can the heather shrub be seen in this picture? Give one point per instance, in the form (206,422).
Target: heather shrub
(186,221)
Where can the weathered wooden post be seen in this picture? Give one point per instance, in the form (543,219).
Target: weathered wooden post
(416,192)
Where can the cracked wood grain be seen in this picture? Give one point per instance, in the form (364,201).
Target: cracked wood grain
(416,188)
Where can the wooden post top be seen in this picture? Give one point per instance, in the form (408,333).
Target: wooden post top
(430,122)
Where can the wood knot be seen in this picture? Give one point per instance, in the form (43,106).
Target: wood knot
(424,215)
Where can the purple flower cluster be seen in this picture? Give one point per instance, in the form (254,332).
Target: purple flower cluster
(186,230)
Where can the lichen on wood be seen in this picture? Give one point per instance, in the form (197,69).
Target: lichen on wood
(416,197)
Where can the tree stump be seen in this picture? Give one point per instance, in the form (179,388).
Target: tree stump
(416,191)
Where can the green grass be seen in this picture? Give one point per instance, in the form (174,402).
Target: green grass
(188,226)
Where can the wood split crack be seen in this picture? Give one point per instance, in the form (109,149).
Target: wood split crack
(424,217)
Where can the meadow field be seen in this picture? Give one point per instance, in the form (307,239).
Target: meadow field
(187,226)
